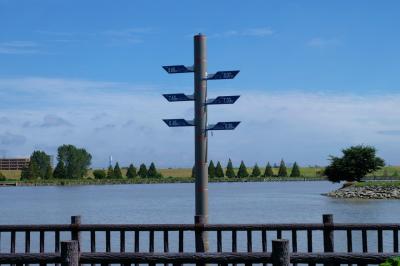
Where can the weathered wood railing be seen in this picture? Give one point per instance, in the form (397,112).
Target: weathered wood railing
(280,256)
(179,238)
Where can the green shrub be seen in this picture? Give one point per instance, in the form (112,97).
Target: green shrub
(99,174)
(391,262)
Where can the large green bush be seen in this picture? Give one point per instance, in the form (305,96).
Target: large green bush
(99,174)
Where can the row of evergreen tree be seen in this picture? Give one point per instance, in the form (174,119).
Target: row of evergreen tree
(218,171)
(116,173)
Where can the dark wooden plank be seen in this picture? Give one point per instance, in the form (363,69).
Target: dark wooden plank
(181,240)
(166,243)
(294,240)
(27,243)
(249,244)
(310,243)
(41,244)
(137,243)
(364,240)
(249,241)
(12,244)
(279,234)
(93,242)
(151,241)
(57,243)
(234,241)
(395,240)
(122,241)
(151,244)
(108,241)
(219,241)
(349,240)
(264,242)
(380,241)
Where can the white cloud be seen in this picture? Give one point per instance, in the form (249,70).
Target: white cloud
(18,47)
(323,42)
(250,32)
(296,126)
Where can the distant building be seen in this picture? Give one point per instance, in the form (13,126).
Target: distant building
(13,163)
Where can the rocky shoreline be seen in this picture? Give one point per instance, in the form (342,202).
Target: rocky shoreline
(366,192)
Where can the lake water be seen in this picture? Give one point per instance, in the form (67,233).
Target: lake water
(267,202)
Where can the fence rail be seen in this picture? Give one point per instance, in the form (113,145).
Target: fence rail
(279,256)
(168,239)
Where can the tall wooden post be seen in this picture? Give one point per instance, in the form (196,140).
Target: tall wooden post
(280,252)
(70,253)
(200,122)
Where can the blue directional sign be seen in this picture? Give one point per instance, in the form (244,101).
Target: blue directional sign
(223,100)
(178,97)
(223,75)
(178,123)
(224,126)
(178,69)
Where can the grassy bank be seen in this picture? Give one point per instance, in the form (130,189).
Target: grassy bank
(308,172)
(163,180)
(378,184)
(177,175)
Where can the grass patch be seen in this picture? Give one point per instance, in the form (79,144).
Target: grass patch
(378,184)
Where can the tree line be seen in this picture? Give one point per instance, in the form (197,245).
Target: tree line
(218,171)
(116,173)
(73,163)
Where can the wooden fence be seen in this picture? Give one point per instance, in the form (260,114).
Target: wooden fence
(50,237)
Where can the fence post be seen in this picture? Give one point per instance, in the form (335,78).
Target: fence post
(75,233)
(70,253)
(327,220)
(280,252)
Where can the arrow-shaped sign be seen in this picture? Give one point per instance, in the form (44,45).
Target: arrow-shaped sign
(223,100)
(178,97)
(178,69)
(223,75)
(178,122)
(223,126)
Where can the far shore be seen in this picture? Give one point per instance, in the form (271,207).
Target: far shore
(161,180)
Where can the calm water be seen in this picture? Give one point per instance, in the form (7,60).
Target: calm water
(270,202)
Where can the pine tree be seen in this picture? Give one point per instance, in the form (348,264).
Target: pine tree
(229,170)
(59,171)
(131,173)
(152,172)
(256,171)
(282,172)
(26,173)
(117,171)
(211,169)
(242,172)
(268,171)
(295,171)
(110,172)
(219,172)
(142,171)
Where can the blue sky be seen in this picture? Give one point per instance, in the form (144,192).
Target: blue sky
(316,76)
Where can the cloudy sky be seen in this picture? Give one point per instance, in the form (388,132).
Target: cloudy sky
(315,77)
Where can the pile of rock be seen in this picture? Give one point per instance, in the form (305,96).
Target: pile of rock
(366,192)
